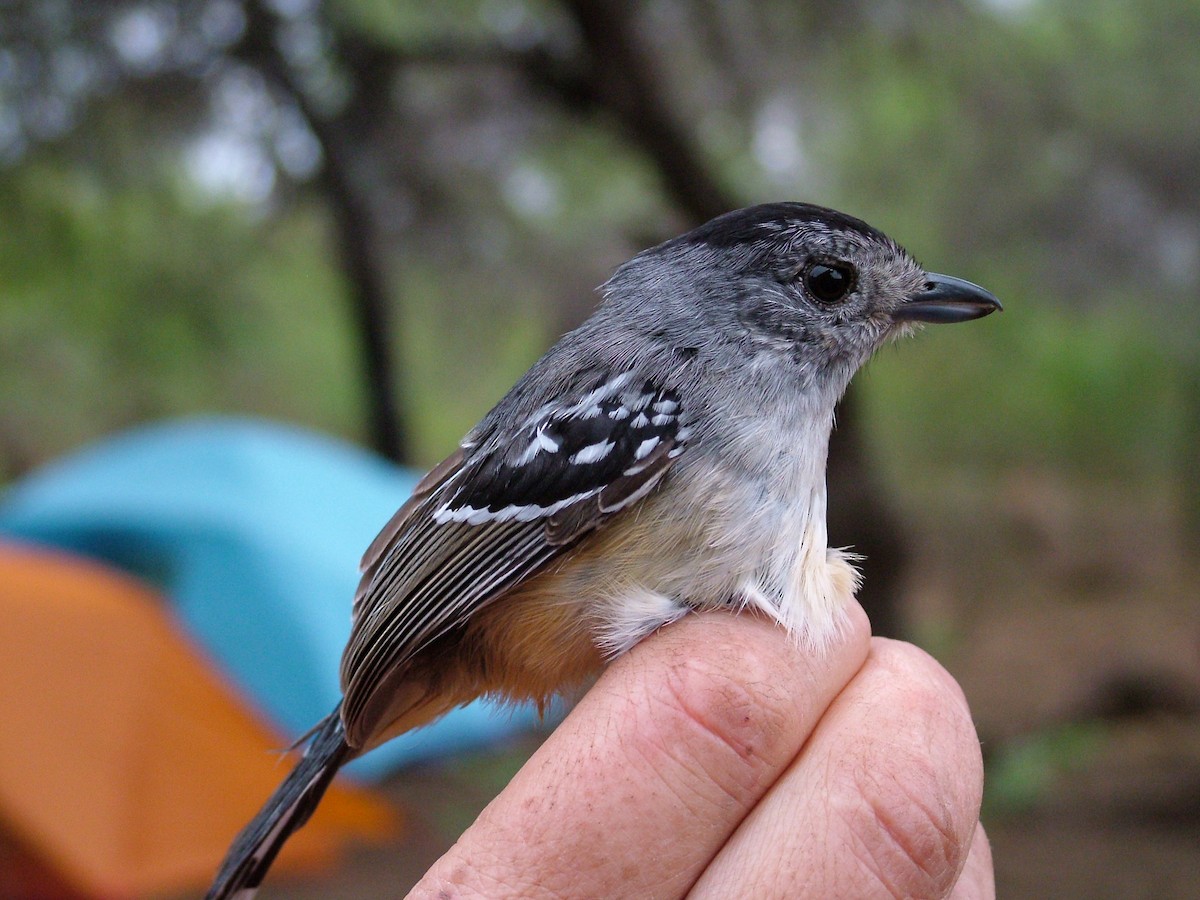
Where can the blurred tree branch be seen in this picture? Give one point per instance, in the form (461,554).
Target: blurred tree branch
(352,216)
(625,84)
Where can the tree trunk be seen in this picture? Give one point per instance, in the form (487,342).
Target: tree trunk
(351,217)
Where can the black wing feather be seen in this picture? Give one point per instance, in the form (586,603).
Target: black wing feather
(624,420)
(496,515)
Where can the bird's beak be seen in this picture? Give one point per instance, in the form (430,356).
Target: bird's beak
(946,299)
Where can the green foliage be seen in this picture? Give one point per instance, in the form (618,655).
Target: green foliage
(404,22)
(1024,771)
(460,364)
(592,170)
(1037,385)
(126,302)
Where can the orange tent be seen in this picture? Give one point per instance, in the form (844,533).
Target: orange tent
(126,763)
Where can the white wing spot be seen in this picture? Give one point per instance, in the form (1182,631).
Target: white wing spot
(529,513)
(645,447)
(603,392)
(445,514)
(592,453)
(539,444)
(512,512)
(640,402)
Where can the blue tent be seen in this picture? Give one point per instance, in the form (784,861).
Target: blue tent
(254,531)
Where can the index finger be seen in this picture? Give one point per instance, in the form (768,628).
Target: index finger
(655,768)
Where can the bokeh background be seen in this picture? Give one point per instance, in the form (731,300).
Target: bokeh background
(368,217)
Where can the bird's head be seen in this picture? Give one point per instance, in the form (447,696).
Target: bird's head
(817,285)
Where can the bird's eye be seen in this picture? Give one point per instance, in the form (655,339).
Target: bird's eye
(829,281)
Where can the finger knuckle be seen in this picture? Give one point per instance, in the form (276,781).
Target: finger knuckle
(914,818)
(725,713)
(909,836)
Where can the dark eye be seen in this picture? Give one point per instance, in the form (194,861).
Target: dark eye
(829,282)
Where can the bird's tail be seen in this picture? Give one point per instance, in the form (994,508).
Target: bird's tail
(255,848)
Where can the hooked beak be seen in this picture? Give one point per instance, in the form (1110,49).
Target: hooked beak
(946,299)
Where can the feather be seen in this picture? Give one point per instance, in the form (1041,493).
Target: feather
(491,516)
(293,802)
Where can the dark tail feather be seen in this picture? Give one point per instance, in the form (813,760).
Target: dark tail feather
(255,848)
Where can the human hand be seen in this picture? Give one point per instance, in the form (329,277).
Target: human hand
(716,760)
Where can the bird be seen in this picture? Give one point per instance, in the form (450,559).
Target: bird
(666,456)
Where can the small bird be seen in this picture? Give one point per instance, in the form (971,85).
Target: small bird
(666,456)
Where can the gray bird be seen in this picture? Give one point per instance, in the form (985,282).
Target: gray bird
(666,456)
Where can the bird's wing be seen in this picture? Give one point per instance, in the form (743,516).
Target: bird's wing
(495,513)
